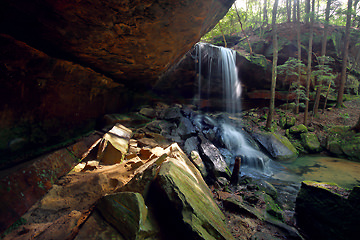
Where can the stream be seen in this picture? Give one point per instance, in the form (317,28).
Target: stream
(321,168)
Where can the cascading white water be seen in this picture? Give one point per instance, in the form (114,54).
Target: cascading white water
(231,83)
(234,140)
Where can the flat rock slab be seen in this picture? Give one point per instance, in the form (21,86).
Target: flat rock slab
(29,182)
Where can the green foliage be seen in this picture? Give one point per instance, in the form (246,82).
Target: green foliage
(344,116)
(289,68)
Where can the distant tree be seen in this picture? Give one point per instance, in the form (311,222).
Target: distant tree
(265,14)
(274,68)
(294,10)
(242,29)
(308,78)
(340,96)
(299,55)
(290,68)
(307,11)
(323,52)
(288,10)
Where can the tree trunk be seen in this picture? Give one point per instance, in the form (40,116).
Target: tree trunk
(237,13)
(355,7)
(323,52)
(294,11)
(265,16)
(345,56)
(299,56)
(308,77)
(288,10)
(222,33)
(307,11)
(274,67)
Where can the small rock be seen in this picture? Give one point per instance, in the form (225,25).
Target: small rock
(298,129)
(148,112)
(198,162)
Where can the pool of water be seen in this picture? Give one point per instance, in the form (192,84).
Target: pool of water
(343,172)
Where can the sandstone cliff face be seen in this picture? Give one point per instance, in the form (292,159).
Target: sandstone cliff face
(127,40)
(65,63)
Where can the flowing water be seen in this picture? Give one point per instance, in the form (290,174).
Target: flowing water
(221,63)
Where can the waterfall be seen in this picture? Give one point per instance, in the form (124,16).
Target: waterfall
(220,63)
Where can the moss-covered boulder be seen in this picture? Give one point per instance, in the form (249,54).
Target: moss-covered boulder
(342,142)
(310,142)
(298,129)
(287,122)
(278,146)
(184,195)
(326,211)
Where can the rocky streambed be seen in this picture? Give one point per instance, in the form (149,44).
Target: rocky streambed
(163,173)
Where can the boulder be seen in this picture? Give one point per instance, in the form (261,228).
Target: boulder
(287,122)
(214,161)
(187,197)
(279,147)
(297,130)
(185,128)
(114,145)
(127,212)
(310,142)
(326,211)
(344,143)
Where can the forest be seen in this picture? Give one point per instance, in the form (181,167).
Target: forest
(255,19)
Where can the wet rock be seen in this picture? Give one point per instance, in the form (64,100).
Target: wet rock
(171,114)
(191,144)
(189,198)
(233,205)
(148,112)
(310,142)
(209,134)
(326,211)
(297,130)
(268,188)
(185,128)
(214,161)
(287,122)
(128,213)
(279,147)
(114,145)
